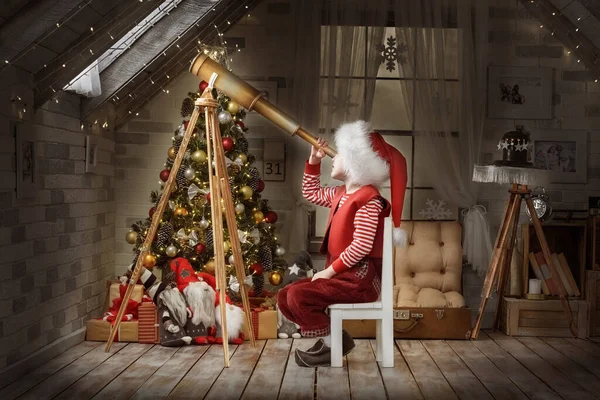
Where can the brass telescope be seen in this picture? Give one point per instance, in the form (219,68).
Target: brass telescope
(250,98)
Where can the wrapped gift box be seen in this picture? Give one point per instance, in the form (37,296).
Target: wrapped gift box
(264,320)
(148,323)
(99,330)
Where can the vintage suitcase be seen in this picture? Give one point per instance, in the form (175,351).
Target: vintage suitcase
(419,323)
(428,281)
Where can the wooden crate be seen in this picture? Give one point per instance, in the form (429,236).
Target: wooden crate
(521,317)
(592,295)
(568,238)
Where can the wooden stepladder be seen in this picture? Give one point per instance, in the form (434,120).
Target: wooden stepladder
(219,190)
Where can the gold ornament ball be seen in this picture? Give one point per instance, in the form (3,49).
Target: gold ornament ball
(258,216)
(149,261)
(243,157)
(171,251)
(172,153)
(210,266)
(226,246)
(233,107)
(131,237)
(275,278)
(181,212)
(246,191)
(199,156)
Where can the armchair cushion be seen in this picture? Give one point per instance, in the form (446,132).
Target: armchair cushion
(428,271)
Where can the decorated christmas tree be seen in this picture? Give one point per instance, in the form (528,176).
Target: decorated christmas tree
(185,228)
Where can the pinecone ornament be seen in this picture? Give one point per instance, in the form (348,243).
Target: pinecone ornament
(232,186)
(266,258)
(187,107)
(181,180)
(255,177)
(258,282)
(177,143)
(242,144)
(209,238)
(165,233)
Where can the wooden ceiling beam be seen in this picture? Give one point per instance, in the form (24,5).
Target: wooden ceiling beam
(31,23)
(107,31)
(566,32)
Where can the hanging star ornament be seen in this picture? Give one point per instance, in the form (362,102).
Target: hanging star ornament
(500,145)
(294,269)
(505,145)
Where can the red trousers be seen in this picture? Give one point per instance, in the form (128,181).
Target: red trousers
(305,302)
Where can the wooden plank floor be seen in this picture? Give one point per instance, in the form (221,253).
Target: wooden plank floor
(495,366)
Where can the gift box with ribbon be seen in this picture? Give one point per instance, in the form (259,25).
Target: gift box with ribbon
(264,319)
(98,329)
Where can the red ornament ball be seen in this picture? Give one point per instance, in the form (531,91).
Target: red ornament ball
(208,197)
(164,175)
(240,124)
(185,124)
(261,186)
(271,217)
(152,211)
(257,269)
(199,248)
(228,143)
(203,85)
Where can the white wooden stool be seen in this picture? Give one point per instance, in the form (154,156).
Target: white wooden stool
(381,310)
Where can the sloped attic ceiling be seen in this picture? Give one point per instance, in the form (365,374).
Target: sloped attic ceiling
(162,53)
(56,40)
(576,24)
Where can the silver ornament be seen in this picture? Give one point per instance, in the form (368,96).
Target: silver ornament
(171,251)
(190,174)
(279,251)
(231,259)
(203,223)
(224,117)
(239,208)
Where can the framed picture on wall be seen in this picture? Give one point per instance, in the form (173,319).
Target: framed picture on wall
(26,163)
(562,153)
(519,92)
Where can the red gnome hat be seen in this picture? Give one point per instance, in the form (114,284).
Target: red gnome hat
(184,273)
(369,160)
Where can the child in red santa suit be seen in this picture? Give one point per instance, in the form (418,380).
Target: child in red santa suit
(353,241)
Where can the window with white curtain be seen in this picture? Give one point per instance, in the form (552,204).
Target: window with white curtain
(390,114)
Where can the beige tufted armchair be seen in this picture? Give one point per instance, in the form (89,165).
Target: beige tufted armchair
(428,271)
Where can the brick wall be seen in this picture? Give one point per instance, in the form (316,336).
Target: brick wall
(58,246)
(515,39)
(266,43)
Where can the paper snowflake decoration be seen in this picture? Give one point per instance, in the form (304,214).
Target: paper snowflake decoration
(435,210)
(390,53)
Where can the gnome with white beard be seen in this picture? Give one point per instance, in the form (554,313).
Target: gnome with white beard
(200,298)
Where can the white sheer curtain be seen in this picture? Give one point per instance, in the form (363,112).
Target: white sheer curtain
(446,90)
(335,54)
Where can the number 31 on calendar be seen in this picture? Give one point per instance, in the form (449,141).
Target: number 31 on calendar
(274,170)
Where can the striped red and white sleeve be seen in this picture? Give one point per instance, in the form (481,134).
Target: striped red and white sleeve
(365,228)
(312,189)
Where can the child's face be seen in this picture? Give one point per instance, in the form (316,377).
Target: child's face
(337,168)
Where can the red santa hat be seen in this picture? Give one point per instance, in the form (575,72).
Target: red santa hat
(198,293)
(184,273)
(370,160)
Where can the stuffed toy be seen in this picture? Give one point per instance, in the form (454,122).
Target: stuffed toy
(286,328)
(301,268)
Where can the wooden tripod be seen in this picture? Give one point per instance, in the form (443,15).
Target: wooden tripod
(500,263)
(219,190)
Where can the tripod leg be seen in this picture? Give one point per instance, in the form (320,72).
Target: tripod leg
(160,209)
(493,268)
(506,261)
(539,231)
(217,223)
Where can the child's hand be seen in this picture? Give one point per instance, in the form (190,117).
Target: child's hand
(327,273)
(316,152)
